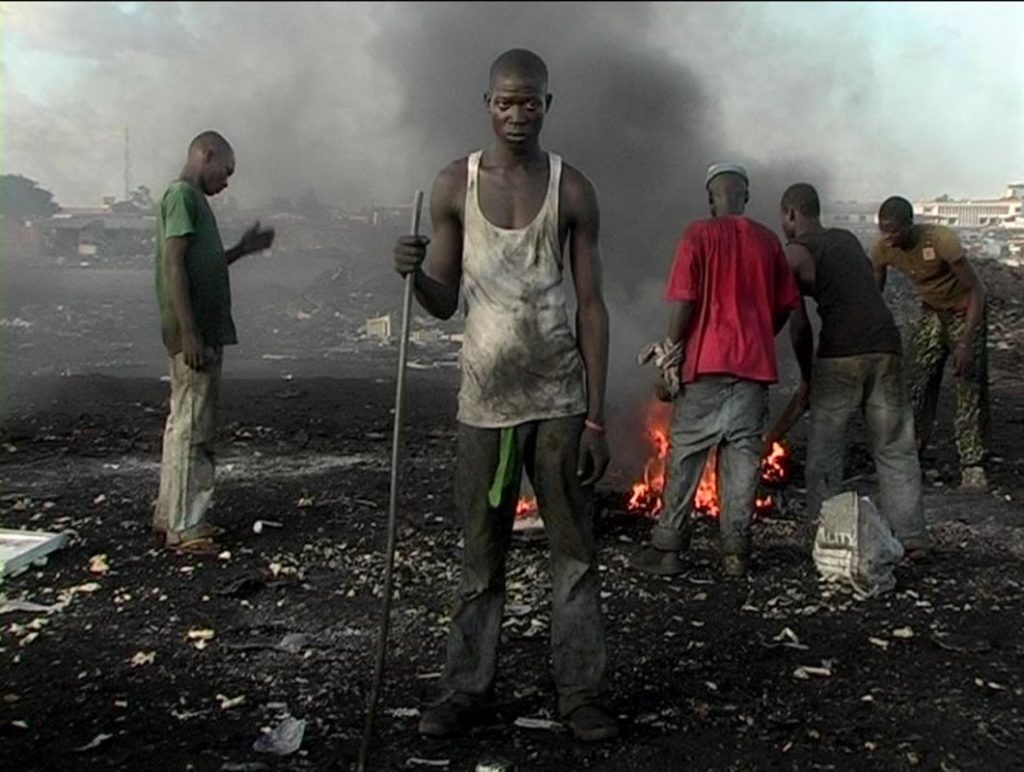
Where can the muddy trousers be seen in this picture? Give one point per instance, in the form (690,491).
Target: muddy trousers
(873,385)
(548,450)
(186,467)
(935,337)
(730,414)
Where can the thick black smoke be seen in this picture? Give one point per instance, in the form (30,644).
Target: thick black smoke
(640,125)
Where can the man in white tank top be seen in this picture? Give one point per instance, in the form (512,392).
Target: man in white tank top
(532,391)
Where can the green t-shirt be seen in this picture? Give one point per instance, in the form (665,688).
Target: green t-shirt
(184,211)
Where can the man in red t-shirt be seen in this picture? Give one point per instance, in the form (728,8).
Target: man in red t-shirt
(732,290)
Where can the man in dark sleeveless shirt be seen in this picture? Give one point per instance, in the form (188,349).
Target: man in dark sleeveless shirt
(858,368)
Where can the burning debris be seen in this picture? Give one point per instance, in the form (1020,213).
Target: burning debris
(647,495)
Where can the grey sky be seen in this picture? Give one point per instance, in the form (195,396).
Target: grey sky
(364,102)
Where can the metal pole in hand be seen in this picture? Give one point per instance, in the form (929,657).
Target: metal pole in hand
(396,452)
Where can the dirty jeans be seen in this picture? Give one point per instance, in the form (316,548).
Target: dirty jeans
(549,451)
(935,337)
(186,468)
(729,413)
(873,385)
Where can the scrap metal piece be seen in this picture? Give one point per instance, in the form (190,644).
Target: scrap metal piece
(20,549)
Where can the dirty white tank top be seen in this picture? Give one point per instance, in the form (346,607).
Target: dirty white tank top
(519,357)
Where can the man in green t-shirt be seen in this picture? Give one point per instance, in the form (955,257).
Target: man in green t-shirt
(952,324)
(194,294)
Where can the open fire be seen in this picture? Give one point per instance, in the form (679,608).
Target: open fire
(646,496)
(527,505)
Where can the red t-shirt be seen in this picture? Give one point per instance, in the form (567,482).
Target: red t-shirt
(735,271)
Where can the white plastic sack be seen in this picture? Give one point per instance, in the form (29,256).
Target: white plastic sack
(855,546)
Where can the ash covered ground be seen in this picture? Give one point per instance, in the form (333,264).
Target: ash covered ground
(701,670)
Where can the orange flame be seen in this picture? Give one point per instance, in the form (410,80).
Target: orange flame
(646,496)
(527,505)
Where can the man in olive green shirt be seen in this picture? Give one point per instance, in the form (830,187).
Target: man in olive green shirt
(952,322)
(194,294)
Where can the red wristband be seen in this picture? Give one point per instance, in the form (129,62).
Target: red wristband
(594,426)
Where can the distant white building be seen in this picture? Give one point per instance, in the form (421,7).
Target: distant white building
(849,214)
(1004,212)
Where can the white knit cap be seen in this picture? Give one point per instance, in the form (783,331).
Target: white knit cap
(725,168)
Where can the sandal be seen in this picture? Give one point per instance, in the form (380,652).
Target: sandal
(200,545)
(166,537)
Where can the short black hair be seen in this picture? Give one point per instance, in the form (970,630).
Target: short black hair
(803,198)
(520,61)
(212,140)
(896,209)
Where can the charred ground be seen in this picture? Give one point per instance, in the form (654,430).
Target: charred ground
(700,669)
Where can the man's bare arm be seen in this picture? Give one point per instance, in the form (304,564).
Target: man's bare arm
(175,250)
(964,271)
(253,240)
(436,283)
(679,320)
(963,355)
(584,217)
(802,262)
(802,336)
(591,314)
(880,274)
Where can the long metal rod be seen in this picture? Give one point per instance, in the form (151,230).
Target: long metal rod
(396,456)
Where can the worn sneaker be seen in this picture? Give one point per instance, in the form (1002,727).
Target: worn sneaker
(591,724)
(734,566)
(652,560)
(972,478)
(452,716)
(917,550)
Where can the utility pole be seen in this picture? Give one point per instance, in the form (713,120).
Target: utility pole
(127,167)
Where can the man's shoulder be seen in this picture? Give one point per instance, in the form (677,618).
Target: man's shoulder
(759,232)
(455,172)
(180,189)
(936,231)
(841,233)
(844,238)
(698,228)
(577,190)
(879,252)
(450,183)
(573,174)
(944,239)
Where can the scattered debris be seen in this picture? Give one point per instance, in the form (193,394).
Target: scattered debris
(98,564)
(416,761)
(404,712)
(199,637)
(282,740)
(143,658)
(243,587)
(226,703)
(20,549)
(525,722)
(961,643)
(96,742)
(805,672)
(29,607)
